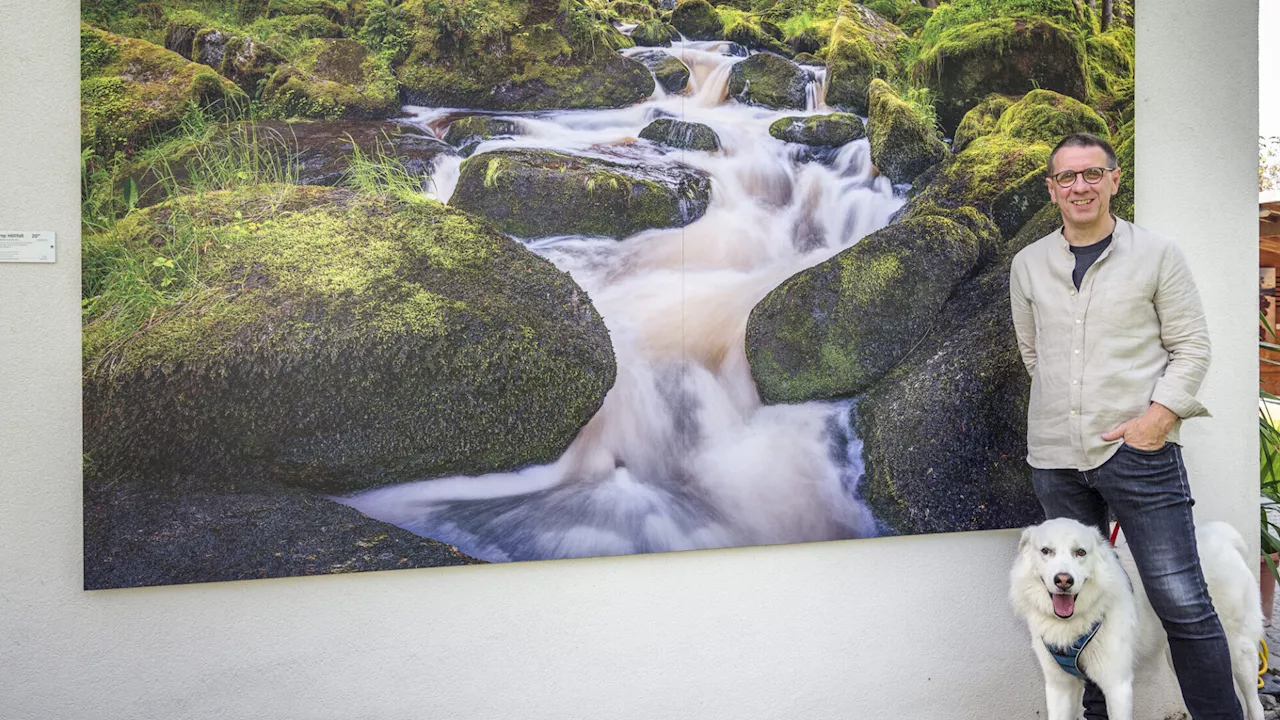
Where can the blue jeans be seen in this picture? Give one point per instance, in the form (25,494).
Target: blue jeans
(1148,492)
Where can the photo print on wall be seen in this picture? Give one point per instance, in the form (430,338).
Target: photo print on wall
(378,284)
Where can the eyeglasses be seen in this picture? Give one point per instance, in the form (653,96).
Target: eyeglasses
(1092,175)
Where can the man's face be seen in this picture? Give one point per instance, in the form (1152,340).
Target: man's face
(1082,203)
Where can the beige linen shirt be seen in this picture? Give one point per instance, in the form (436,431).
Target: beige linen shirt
(1133,334)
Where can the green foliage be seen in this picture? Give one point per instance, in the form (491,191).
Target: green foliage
(1269,461)
(383,174)
(385,30)
(889,9)
(961,13)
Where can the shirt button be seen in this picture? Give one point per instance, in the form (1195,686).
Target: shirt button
(1079,321)
(1075,382)
(1073,292)
(1073,412)
(1077,352)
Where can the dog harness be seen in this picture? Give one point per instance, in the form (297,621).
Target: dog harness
(1068,658)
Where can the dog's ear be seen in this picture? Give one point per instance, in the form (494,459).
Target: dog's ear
(1025,540)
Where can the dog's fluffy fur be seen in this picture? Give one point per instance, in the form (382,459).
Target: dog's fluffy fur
(1130,632)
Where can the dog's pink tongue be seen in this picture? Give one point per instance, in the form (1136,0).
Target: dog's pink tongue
(1064,605)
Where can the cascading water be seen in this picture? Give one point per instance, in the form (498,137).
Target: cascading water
(682,454)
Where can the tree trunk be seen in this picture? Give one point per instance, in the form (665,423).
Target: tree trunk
(931,4)
(1106,15)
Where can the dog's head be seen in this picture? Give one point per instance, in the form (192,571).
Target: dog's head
(1063,556)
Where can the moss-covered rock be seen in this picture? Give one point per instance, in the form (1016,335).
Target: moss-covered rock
(335,341)
(697,20)
(468,132)
(805,42)
(751,36)
(914,19)
(831,130)
(1045,116)
(631,10)
(530,55)
(890,10)
(334,79)
(902,143)
(808,59)
(862,48)
(981,120)
(667,69)
(1001,176)
(131,90)
(541,193)
(1110,65)
(832,330)
(1122,201)
(331,11)
(682,135)
(769,80)
(653,33)
(944,434)
(972,48)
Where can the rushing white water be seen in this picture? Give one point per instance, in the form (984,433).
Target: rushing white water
(682,454)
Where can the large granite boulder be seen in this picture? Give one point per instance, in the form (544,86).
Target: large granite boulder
(334,79)
(903,144)
(769,80)
(830,130)
(681,135)
(863,47)
(334,341)
(542,193)
(834,329)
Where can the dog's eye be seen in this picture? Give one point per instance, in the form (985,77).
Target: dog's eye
(1079,552)
(1046,551)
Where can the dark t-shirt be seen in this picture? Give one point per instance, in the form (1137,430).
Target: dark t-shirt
(1086,256)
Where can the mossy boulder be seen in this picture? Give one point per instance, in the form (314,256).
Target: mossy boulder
(697,20)
(981,120)
(834,329)
(944,433)
(1046,116)
(333,79)
(751,36)
(541,193)
(971,48)
(334,12)
(769,80)
(667,69)
(914,19)
(335,341)
(306,152)
(1122,201)
(805,42)
(653,33)
(682,135)
(631,10)
(903,144)
(807,59)
(863,47)
(131,90)
(239,58)
(531,55)
(1111,71)
(1001,176)
(468,132)
(830,130)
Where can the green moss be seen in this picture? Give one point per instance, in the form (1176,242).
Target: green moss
(653,33)
(981,120)
(830,130)
(332,79)
(1122,202)
(698,20)
(337,341)
(769,80)
(538,193)
(836,328)
(749,35)
(629,10)
(914,19)
(1045,116)
(890,9)
(903,144)
(683,135)
(131,89)
(857,54)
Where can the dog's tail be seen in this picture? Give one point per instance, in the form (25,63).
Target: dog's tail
(1222,532)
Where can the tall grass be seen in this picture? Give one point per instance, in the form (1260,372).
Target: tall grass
(383,174)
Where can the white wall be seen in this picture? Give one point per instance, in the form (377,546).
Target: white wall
(831,630)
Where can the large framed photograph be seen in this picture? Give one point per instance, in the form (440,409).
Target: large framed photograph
(381,284)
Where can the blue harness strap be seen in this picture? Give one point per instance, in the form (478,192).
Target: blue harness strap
(1068,658)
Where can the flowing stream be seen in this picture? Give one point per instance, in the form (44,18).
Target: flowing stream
(682,454)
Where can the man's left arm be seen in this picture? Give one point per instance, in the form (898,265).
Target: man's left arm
(1185,336)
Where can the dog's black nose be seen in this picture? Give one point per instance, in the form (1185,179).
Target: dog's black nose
(1063,580)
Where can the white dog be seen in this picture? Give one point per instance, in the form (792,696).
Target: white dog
(1069,584)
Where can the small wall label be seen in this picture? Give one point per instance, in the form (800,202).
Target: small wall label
(27,247)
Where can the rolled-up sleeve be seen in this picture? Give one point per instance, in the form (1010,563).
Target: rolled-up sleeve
(1184,334)
(1024,319)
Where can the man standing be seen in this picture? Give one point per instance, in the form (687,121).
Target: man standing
(1110,327)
